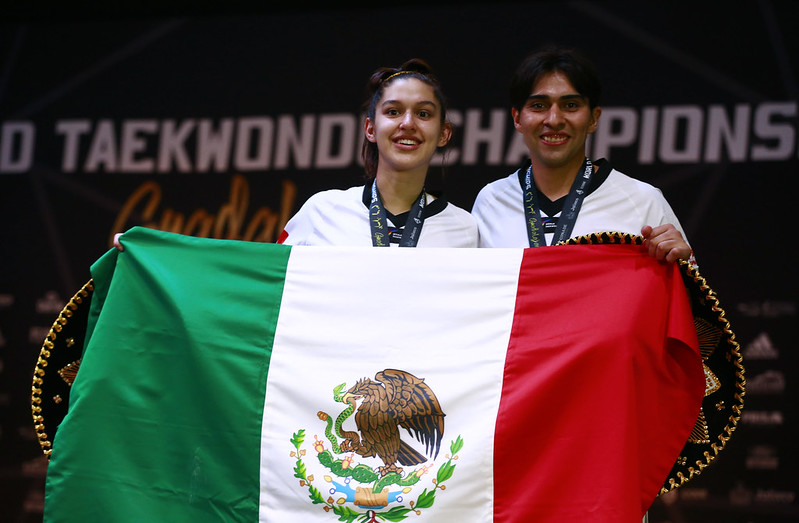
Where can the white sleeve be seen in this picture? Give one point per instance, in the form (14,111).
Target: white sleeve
(500,220)
(300,227)
(484,223)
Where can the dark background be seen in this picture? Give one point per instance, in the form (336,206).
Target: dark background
(177,61)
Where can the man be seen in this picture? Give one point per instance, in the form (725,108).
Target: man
(559,194)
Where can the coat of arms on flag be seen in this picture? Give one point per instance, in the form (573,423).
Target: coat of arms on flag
(349,484)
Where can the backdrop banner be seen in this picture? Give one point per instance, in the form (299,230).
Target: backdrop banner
(221,122)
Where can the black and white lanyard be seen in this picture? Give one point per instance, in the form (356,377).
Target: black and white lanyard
(568,216)
(378,222)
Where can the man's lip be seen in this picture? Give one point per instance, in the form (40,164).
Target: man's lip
(554,139)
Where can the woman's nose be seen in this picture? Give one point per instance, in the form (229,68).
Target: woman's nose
(407,120)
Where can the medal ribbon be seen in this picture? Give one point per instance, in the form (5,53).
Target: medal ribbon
(378,222)
(571,207)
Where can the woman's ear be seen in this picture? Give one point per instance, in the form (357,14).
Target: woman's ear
(369,130)
(446,134)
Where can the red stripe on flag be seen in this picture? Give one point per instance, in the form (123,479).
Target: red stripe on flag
(603,383)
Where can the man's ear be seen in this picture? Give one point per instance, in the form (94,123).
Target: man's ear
(515,115)
(595,112)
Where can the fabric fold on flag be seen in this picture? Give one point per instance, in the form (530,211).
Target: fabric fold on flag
(236,381)
(602,371)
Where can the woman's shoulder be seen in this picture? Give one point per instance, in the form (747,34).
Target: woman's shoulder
(460,218)
(458,212)
(335,194)
(328,197)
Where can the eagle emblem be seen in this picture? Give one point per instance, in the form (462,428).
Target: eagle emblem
(395,399)
(376,466)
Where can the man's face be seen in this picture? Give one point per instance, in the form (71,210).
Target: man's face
(555,122)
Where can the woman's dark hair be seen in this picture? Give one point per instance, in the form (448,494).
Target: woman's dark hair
(550,59)
(380,79)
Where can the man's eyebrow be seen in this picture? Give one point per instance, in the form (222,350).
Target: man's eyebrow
(575,96)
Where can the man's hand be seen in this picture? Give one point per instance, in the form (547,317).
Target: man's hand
(665,243)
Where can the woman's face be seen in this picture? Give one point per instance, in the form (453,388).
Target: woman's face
(407,127)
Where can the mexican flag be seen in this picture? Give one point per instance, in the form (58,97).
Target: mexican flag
(235,381)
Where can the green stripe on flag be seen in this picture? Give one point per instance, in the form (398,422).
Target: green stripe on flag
(204,326)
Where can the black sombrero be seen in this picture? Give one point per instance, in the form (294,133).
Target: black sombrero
(57,366)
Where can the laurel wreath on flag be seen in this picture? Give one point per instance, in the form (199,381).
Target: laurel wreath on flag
(349,515)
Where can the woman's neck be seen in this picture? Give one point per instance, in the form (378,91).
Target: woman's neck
(399,191)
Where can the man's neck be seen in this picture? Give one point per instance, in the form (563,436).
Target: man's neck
(555,182)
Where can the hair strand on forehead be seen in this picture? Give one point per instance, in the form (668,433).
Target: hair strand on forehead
(551,59)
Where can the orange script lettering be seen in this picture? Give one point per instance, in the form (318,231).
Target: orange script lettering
(229,223)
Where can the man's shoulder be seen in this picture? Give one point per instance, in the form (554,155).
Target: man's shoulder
(498,197)
(618,178)
(506,183)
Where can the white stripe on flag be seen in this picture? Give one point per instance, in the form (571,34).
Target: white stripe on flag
(362,311)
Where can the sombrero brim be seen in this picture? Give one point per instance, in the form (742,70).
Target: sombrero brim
(57,366)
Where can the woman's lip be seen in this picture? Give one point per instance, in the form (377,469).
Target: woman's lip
(407,142)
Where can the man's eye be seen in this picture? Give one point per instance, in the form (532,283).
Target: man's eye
(424,114)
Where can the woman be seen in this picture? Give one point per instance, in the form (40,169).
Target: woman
(405,125)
